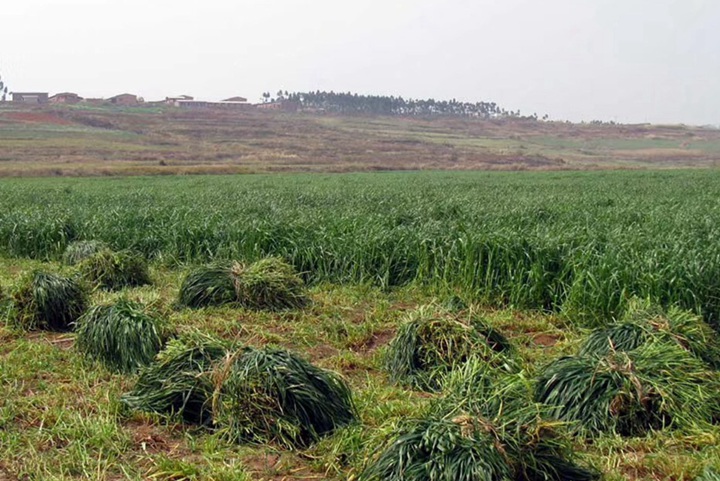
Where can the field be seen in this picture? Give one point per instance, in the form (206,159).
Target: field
(541,257)
(85,140)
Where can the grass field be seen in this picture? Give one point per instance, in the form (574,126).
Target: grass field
(541,257)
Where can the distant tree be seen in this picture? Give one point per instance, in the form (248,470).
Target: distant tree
(266,97)
(3,90)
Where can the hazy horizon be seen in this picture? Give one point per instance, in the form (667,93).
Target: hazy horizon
(628,61)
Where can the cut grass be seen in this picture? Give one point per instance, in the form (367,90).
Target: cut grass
(122,336)
(48,301)
(115,270)
(78,251)
(207,286)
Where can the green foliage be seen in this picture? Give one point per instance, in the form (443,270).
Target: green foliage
(180,381)
(270,284)
(48,301)
(431,342)
(121,335)
(654,386)
(273,396)
(115,270)
(78,251)
(709,475)
(208,286)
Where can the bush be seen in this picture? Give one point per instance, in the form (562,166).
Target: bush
(268,284)
(180,381)
(115,270)
(270,395)
(655,386)
(121,336)
(78,251)
(48,301)
(432,342)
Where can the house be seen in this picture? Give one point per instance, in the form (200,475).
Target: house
(30,97)
(236,99)
(279,105)
(65,98)
(225,104)
(174,100)
(124,99)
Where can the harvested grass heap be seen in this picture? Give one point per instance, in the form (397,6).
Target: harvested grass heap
(709,475)
(432,342)
(268,284)
(78,251)
(655,386)
(180,381)
(208,286)
(645,322)
(122,336)
(115,270)
(486,429)
(48,301)
(272,396)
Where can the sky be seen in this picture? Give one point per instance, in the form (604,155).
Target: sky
(624,60)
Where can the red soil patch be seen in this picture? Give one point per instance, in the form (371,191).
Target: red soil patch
(154,439)
(546,340)
(34,117)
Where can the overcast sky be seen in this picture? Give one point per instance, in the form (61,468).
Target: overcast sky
(623,60)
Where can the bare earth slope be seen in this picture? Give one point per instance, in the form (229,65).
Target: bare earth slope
(116,141)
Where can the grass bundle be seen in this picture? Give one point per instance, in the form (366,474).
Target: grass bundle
(655,386)
(272,396)
(709,475)
(179,381)
(115,270)
(208,286)
(48,301)
(268,284)
(78,251)
(122,336)
(432,342)
(645,322)
(486,429)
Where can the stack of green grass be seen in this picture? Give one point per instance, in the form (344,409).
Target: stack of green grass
(431,342)
(48,301)
(487,428)
(249,395)
(709,474)
(653,370)
(122,336)
(115,270)
(270,284)
(78,251)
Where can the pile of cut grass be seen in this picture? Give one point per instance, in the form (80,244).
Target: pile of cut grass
(655,386)
(48,301)
(122,336)
(115,270)
(268,284)
(709,475)
(431,342)
(179,382)
(273,396)
(78,251)
(645,322)
(487,428)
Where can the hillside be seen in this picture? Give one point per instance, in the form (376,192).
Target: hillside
(116,141)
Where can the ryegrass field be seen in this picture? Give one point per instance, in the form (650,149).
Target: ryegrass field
(538,257)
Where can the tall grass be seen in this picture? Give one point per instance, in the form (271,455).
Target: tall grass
(580,243)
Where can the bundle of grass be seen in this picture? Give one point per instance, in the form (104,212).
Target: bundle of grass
(78,251)
(655,386)
(487,428)
(709,475)
(432,342)
(270,284)
(115,270)
(122,336)
(48,301)
(208,286)
(179,382)
(645,322)
(272,396)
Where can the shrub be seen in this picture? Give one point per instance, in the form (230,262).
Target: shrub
(655,386)
(78,251)
(115,270)
(48,301)
(122,336)
(270,395)
(179,381)
(431,342)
